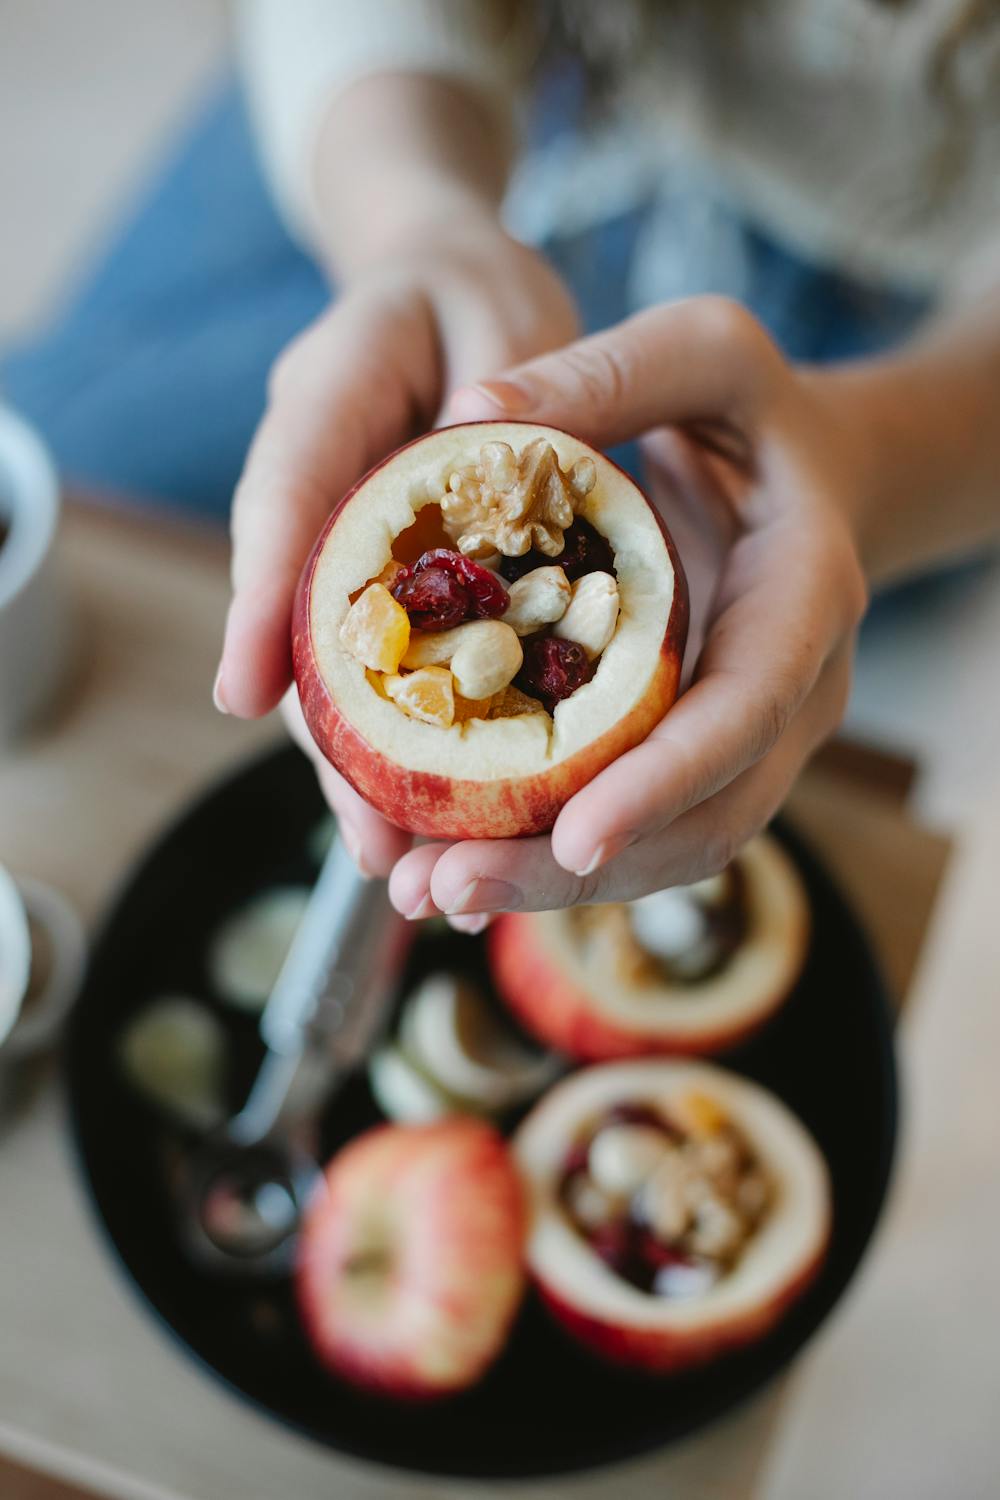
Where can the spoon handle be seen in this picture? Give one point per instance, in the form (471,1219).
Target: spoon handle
(329,998)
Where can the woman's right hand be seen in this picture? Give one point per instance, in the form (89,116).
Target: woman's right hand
(452,306)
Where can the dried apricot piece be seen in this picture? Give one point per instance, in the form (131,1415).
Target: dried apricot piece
(376,630)
(698,1113)
(427,694)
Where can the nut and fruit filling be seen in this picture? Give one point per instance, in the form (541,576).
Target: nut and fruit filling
(668,1197)
(682,936)
(511,617)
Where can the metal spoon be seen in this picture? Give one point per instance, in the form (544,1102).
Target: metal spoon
(246,1188)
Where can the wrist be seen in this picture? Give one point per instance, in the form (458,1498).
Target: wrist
(430,215)
(883,425)
(922,477)
(404,159)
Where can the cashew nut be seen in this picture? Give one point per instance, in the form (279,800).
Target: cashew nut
(485,655)
(621,1157)
(489,656)
(592,613)
(538,598)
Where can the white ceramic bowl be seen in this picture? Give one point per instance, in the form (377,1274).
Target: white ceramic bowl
(33,616)
(15,953)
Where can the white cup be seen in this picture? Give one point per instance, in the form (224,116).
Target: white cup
(15,953)
(34,618)
(27,904)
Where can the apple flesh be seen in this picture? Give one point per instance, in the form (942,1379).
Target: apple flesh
(410,1268)
(483,777)
(578,1003)
(652,1332)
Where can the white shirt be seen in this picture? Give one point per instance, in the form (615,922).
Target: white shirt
(813,116)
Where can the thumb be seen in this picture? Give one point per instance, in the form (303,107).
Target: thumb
(703,358)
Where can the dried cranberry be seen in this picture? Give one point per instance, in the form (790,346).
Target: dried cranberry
(553,669)
(631,1112)
(613,1243)
(585,550)
(460,590)
(434,600)
(654,1254)
(489,596)
(576,1158)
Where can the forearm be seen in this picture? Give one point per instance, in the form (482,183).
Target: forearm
(400,155)
(924,427)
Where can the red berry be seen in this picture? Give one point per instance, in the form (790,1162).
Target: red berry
(553,669)
(631,1112)
(655,1254)
(613,1243)
(434,600)
(458,589)
(488,593)
(576,1157)
(585,550)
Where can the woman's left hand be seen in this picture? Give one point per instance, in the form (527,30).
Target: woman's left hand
(755,475)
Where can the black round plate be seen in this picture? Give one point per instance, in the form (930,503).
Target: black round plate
(546,1407)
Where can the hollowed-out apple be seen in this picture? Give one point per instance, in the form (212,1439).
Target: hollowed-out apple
(572,985)
(493,740)
(676,1209)
(410,1266)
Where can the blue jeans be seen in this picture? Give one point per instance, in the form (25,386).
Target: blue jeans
(152,380)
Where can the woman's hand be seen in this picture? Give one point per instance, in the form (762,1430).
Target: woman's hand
(451,306)
(755,475)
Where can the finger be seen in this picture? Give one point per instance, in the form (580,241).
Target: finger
(410,882)
(374,844)
(780,618)
(342,396)
(522,875)
(471,926)
(702,358)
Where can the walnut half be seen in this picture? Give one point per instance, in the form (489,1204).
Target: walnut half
(509,504)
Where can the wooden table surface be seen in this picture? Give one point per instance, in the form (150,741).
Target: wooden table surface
(89,1390)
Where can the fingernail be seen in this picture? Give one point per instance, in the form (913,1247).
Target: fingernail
(217,697)
(471,926)
(606,851)
(424,908)
(352,839)
(485,895)
(503,394)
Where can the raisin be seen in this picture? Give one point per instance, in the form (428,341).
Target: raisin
(553,669)
(459,589)
(585,550)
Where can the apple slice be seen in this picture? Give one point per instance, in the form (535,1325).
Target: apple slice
(247,952)
(452,1055)
(449,1031)
(174,1053)
(410,1268)
(574,996)
(404,1093)
(498,763)
(700,1310)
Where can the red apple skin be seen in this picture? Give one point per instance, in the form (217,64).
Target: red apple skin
(457,1224)
(439,806)
(548,1003)
(665,1351)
